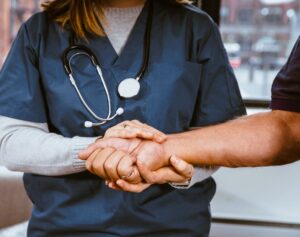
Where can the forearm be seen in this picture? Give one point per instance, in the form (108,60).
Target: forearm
(29,147)
(258,140)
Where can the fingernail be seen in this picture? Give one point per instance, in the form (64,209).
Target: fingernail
(106,183)
(119,182)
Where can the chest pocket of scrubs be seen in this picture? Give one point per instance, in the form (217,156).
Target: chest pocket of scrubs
(172,94)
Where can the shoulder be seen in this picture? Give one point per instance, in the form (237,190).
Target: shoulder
(189,16)
(41,24)
(37,22)
(38,28)
(189,11)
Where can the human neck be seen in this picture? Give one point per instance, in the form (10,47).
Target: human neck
(123,3)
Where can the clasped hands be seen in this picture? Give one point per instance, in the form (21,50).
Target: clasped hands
(132,156)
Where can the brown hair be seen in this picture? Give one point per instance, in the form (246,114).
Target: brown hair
(82,16)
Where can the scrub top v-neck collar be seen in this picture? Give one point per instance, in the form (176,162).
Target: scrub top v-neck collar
(131,56)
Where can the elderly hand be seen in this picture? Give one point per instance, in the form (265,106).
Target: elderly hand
(135,129)
(127,130)
(134,164)
(179,171)
(104,162)
(111,159)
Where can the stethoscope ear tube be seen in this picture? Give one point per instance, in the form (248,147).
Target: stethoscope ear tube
(147,43)
(78,49)
(128,88)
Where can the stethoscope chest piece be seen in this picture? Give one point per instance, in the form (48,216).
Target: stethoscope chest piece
(129,88)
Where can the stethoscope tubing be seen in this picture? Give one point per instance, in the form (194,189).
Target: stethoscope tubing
(83,50)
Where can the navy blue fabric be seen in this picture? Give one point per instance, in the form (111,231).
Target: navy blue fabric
(286,86)
(189,82)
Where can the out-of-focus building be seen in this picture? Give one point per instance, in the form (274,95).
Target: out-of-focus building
(12,14)
(260,25)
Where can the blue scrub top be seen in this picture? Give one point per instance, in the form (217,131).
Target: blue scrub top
(189,82)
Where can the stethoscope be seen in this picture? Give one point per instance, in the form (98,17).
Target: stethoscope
(127,88)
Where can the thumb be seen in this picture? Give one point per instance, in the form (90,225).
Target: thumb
(182,167)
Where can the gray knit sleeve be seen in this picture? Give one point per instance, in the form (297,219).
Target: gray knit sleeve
(29,147)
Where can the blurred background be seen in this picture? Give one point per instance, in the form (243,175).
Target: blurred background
(258,36)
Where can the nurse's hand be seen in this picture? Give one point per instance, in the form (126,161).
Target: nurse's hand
(136,129)
(178,172)
(111,160)
(127,130)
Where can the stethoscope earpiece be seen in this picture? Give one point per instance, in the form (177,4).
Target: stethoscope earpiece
(120,111)
(89,124)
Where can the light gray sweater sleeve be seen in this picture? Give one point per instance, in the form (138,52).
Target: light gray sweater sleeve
(29,147)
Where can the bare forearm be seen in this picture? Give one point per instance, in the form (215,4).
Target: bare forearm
(264,139)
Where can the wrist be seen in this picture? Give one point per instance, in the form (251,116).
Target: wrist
(169,150)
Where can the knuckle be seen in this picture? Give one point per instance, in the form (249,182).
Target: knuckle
(88,165)
(127,172)
(96,164)
(122,133)
(135,121)
(126,122)
(108,166)
(123,171)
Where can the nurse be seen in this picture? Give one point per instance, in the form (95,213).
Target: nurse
(62,86)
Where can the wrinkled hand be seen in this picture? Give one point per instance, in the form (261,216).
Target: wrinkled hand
(111,159)
(112,164)
(115,160)
(127,130)
(133,164)
(135,129)
(178,172)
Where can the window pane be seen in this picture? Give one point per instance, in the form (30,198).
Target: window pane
(12,14)
(259,36)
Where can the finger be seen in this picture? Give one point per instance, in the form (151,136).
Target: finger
(130,131)
(83,155)
(147,174)
(158,135)
(134,188)
(90,160)
(183,168)
(168,175)
(117,143)
(134,128)
(114,186)
(98,162)
(111,163)
(134,177)
(162,175)
(126,166)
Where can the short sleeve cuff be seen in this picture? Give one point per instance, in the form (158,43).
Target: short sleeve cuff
(285,104)
(200,174)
